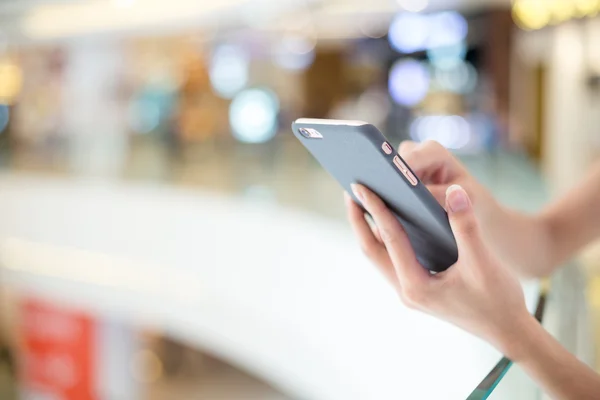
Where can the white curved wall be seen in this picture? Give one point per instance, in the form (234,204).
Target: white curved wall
(283,294)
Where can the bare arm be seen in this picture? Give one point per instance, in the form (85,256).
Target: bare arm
(554,369)
(537,245)
(522,241)
(573,221)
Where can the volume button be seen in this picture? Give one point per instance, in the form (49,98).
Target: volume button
(399,164)
(410,177)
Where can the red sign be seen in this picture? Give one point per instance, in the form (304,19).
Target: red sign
(57,352)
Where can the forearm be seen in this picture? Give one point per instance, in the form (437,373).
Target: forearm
(573,221)
(521,240)
(559,373)
(536,245)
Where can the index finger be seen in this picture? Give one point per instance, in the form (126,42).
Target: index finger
(429,160)
(396,242)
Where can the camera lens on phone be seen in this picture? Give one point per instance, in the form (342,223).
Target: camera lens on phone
(304,132)
(310,133)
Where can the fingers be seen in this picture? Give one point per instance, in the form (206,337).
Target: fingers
(369,243)
(409,271)
(376,233)
(406,147)
(429,160)
(407,151)
(423,155)
(463,221)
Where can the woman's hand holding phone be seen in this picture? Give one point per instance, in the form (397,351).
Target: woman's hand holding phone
(523,241)
(477,294)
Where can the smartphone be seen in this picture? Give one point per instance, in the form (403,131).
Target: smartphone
(357,152)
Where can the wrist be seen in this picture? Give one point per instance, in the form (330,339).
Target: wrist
(519,340)
(545,228)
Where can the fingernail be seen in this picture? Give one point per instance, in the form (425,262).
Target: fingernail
(457,199)
(356,189)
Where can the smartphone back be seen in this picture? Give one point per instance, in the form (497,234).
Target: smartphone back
(351,151)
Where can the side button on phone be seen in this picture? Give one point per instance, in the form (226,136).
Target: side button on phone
(405,171)
(411,177)
(386,147)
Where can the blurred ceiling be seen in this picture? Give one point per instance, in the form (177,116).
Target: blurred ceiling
(54,19)
(17,5)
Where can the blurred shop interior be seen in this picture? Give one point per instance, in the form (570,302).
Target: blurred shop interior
(198,97)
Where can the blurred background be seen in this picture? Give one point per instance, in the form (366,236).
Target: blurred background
(103,100)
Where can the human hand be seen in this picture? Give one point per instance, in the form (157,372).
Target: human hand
(438,169)
(523,242)
(477,294)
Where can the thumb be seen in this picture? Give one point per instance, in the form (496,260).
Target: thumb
(463,221)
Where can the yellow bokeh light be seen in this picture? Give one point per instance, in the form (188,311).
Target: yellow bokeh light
(561,10)
(587,7)
(11,81)
(531,14)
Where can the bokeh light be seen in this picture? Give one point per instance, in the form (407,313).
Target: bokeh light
(460,78)
(561,10)
(409,32)
(451,131)
(446,29)
(408,82)
(253,115)
(4,117)
(587,7)
(294,61)
(294,53)
(299,44)
(229,70)
(149,109)
(531,14)
(372,28)
(143,115)
(447,56)
(536,14)
(11,81)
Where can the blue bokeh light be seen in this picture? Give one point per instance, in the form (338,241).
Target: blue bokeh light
(253,115)
(447,28)
(412,32)
(229,70)
(461,78)
(447,56)
(409,82)
(409,32)
(451,131)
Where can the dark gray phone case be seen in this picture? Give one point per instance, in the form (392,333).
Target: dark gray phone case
(352,153)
